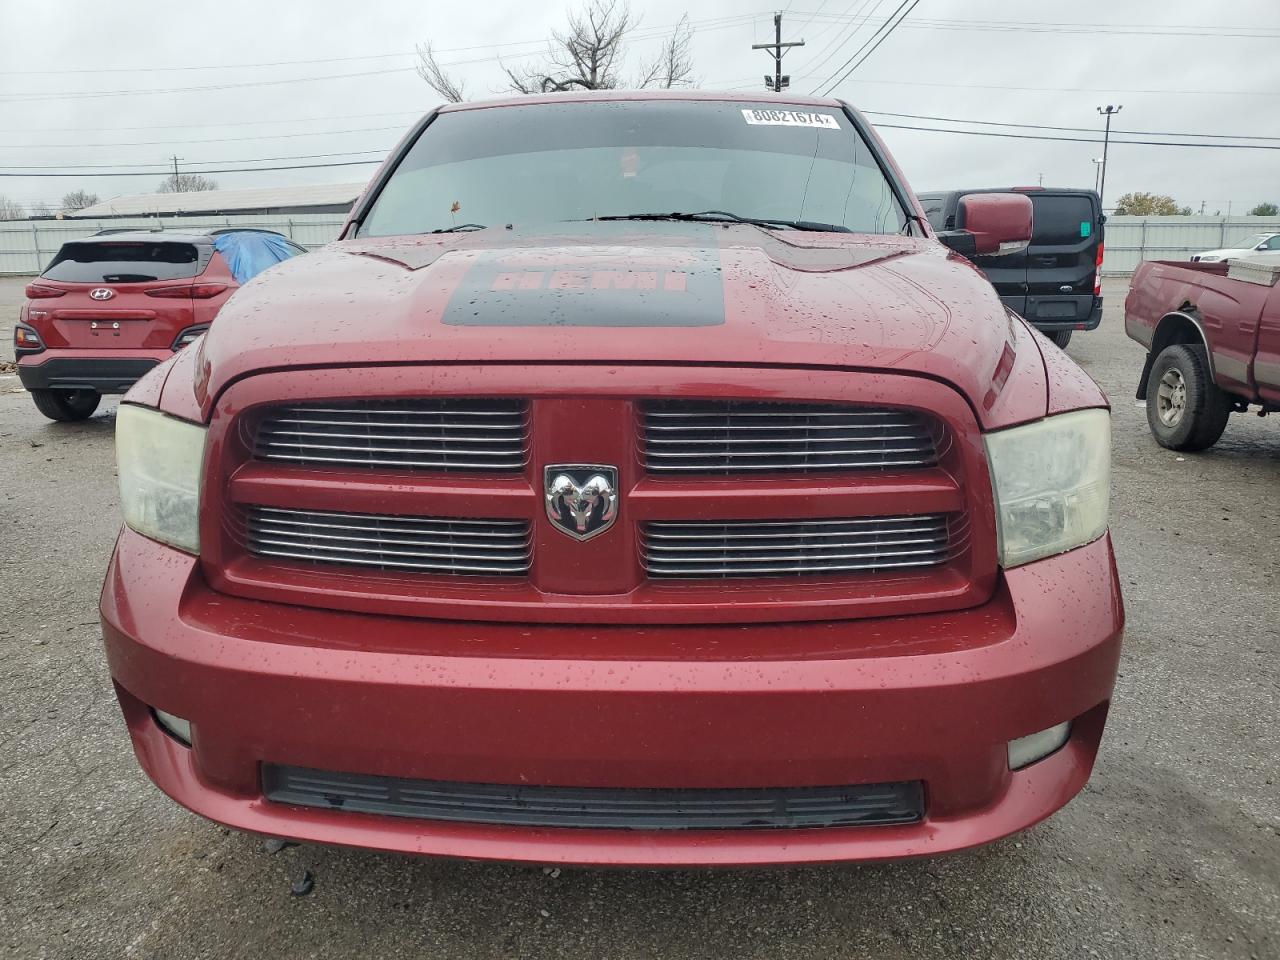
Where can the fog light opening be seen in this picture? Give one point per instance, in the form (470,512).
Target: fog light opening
(1027,750)
(176,727)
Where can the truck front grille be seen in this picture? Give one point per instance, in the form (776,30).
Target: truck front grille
(449,434)
(755,548)
(598,807)
(739,436)
(426,544)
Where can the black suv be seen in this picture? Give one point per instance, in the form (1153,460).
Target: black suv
(1054,282)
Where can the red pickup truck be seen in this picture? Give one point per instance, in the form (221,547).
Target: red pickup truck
(1213,348)
(638,480)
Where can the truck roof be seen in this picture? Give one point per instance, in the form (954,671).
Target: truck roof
(1030,191)
(583,96)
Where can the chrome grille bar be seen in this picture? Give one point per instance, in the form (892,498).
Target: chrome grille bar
(449,434)
(750,548)
(740,436)
(428,544)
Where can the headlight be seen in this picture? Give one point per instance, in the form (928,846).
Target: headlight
(160,461)
(1052,484)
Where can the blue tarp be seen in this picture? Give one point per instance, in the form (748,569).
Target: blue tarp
(249,252)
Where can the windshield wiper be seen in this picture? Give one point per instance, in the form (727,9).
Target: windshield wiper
(724,216)
(460,228)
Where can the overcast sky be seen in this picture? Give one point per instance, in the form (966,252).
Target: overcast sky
(112,83)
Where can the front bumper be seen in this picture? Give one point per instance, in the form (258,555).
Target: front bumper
(933,698)
(98,370)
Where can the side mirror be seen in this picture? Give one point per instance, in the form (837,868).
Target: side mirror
(991,223)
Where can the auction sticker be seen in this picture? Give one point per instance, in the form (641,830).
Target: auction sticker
(789,118)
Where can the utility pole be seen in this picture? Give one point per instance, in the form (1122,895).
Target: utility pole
(1097,168)
(1041,180)
(777,83)
(1108,112)
(175,158)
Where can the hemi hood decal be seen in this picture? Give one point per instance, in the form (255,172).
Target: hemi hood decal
(599,286)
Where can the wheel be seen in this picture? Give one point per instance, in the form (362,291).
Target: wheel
(66,405)
(1061,338)
(1185,408)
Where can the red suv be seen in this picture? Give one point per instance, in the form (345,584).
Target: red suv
(638,480)
(110,307)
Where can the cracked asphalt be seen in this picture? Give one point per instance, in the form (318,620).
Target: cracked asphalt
(1172,851)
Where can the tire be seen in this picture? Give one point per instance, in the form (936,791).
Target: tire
(1061,338)
(1185,408)
(65,406)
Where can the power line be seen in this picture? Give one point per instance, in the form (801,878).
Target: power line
(855,23)
(228,123)
(883,35)
(1042,126)
(950,85)
(1030,136)
(149,91)
(154,143)
(154,171)
(132,173)
(1196,31)
(811,16)
(646,33)
(127,166)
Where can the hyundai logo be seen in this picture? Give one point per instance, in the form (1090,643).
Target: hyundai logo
(582,499)
(101,293)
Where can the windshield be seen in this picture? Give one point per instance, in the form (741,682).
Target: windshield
(1250,242)
(555,162)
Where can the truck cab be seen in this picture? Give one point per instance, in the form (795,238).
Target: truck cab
(1212,334)
(1056,281)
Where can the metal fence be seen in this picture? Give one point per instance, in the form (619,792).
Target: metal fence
(26,246)
(1130,240)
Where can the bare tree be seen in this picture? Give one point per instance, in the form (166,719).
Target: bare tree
(587,56)
(78,200)
(673,66)
(11,209)
(186,183)
(39,209)
(429,69)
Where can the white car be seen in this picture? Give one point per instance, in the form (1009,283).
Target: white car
(1258,241)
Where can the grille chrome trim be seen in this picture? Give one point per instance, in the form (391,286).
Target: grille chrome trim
(742,436)
(749,548)
(437,545)
(636,808)
(484,435)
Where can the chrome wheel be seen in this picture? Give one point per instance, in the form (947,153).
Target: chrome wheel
(1171,397)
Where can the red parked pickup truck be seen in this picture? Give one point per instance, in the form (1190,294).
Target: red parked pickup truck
(1213,347)
(638,480)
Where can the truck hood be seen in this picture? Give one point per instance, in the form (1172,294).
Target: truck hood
(625,292)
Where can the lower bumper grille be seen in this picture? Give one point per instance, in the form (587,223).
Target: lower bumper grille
(601,808)
(754,548)
(425,544)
